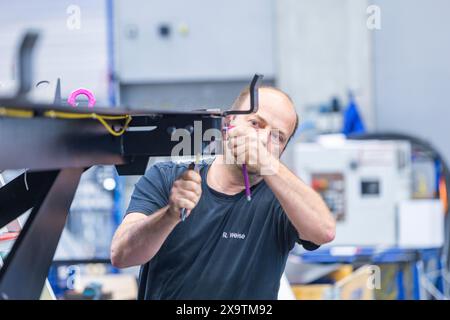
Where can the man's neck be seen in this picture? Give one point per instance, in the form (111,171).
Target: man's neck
(227,178)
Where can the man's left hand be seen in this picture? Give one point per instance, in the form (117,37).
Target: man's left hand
(249,146)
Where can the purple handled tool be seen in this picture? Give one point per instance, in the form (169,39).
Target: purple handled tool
(248,192)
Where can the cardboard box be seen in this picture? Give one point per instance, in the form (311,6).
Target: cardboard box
(313,292)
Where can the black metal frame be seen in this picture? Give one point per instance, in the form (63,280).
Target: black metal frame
(26,266)
(57,152)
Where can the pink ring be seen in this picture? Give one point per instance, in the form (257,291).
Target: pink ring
(73,96)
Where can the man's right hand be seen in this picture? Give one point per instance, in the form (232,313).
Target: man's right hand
(186,192)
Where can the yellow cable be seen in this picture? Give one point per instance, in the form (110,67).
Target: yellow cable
(116,117)
(111,130)
(70,115)
(100,118)
(16,113)
(67,115)
(19,113)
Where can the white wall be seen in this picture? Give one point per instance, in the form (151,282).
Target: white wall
(412,69)
(207,41)
(324,49)
(79,57)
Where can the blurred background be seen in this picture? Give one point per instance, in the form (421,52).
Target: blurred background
(369,78)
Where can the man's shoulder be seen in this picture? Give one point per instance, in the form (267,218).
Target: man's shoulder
(174,168)
(167,165)
(168,168)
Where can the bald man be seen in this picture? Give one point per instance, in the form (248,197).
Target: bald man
(228,247)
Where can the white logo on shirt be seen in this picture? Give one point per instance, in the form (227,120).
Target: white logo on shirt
(233,235)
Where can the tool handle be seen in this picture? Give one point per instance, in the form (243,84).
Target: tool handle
(248,192)
(183,212)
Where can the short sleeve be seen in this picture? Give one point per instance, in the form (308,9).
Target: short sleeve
(151,192)
(287,234)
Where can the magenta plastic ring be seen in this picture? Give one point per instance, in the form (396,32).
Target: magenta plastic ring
(73,96)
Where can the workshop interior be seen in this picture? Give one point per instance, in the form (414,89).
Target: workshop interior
(91,92)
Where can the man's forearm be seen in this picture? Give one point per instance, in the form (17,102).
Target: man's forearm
(304,207)
(138,240)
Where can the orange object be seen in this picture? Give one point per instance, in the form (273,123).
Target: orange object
(319,184)
(341,273)
(443,194)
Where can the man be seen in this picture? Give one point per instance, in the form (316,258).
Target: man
(228,247)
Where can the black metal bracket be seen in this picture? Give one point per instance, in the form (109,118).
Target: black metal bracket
(21,194)
(25,63)
(57,98)
(254,97)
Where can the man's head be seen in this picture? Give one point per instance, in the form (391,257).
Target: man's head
(276,117)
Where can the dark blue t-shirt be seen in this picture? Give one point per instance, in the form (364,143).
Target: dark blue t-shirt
(228,248)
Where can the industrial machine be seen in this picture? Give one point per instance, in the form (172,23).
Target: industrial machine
(362,182)
(388,193)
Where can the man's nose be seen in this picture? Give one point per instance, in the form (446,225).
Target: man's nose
(265,135)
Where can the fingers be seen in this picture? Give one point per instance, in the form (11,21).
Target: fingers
(242,154)
(188,186)
(244,150)
(241,144)
(180,201)
(191,175)
(193,195)
(186,192)
(243,134)
(241,131)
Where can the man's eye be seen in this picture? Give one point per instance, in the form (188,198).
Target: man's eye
(254,123)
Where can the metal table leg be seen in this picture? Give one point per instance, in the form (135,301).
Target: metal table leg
(26,266)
